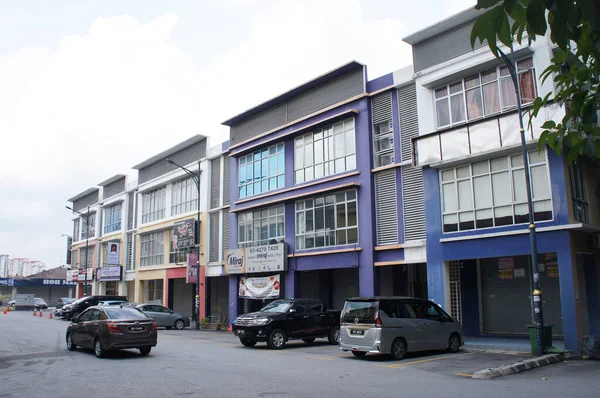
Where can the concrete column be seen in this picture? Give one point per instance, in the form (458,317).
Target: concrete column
(14,292)
(202,280)
(233,298)
(433,218)
(291,284)
(593,296)
(139,291)
(568,293)
(122,288)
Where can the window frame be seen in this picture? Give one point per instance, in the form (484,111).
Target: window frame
(92,229)
(113,217)
(502,76)
(154,204)
(511,169)
(378,137)
(303,207)
(150,258)
(247,226)
(183,189)
(262,158)
(326,137)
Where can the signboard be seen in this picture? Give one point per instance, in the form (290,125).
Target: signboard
(519,272)
(78,275)
(24,300)
(552,271)
(113,253)
(260,288)
(506,263)
(505,274)
(6,281)
(183,235)
(268,258)
(70,275)
(106,274)
(191,276)
(42,282)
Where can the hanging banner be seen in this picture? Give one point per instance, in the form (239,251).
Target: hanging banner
(267,287)
(191,276)
(506,263)
(505,274)
(183,235)
(113,253)
(267,258)
(108,274)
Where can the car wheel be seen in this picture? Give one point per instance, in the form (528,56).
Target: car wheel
(70,345)
(276,339)
(454,343)
(99,349)
(398,349)
(12,305)
(359,354)
(179,324)
(248,343)
(145,351)
(309,340)
(334,335)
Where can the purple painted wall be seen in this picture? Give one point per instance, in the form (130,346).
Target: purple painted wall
(380,83)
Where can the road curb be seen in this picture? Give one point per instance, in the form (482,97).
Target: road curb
(519,366)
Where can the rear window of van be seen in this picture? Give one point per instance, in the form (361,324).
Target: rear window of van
(360,311)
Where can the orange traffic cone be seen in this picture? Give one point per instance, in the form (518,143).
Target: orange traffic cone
(50,317)
(229,328)
(34,312)
(5,312)
(41,315)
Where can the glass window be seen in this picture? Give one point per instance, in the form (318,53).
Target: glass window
(76,230)
(91,232)
(153,205)
(325,152)
(112,218)
(152,248)
(578,193)
(495,194)
(262,171)
(484,94)
(327,221)
(184,196)
(383,142)
(261,227)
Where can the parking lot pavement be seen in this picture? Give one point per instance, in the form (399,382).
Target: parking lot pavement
(462,364)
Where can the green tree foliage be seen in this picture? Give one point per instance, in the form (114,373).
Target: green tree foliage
(574,26)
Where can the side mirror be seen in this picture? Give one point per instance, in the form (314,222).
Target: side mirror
(75,319)
(292,310)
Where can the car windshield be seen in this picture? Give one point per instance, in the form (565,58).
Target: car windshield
(67,300)
(125,313)
(360,311)
(277,306)
(81,300)
(39,300)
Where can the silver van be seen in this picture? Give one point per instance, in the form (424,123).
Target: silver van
(397,325)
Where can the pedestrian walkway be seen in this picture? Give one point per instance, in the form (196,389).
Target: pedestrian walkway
(505,344)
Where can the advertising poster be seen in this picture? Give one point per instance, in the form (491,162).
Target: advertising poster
(267,287)
(113,253)
(106,274)
(191,276)
(267,258)
(505,274)
(183,235)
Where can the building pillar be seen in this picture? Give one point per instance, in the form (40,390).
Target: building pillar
(593,296)
(14,293)
(291,284)
(233,298)
(568,294)
(138,291)
(122,288)
(202,280)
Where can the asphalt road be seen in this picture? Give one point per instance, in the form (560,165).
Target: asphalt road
(35,363)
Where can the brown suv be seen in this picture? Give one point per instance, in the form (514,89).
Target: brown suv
(111,328)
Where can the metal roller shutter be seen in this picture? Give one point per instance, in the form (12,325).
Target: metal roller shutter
(506,302)
(550,285)
(583,300)
(214,238)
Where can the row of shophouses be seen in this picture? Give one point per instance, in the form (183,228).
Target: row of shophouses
(409,184)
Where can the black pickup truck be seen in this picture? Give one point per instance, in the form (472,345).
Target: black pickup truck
(282,320)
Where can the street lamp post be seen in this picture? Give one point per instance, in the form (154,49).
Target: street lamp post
(196,179)
(87,238)
(537,292)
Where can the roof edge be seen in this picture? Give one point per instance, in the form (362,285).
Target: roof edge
(83,194)
(182,145)
(442,26)
(112,179)
(306,86)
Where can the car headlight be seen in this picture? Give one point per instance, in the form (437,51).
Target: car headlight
(261,321)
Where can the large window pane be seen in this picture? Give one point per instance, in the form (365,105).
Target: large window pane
(482,192)
(457,103)
(539,181)
(261,227)
(449,197)
(465,199)
(443,112)
(474,104)
(501,189)
(261,171)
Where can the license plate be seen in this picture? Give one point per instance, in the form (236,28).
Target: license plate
(239,332)
(136,328)
(360,332)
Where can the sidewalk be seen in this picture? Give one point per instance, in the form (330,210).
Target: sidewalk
(500,344)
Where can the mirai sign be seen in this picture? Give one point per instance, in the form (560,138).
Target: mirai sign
(267,258)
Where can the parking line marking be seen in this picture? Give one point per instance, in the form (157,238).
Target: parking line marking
(464,374)
(399,365)
(323,357)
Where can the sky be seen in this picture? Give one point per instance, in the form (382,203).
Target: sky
(90,88)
